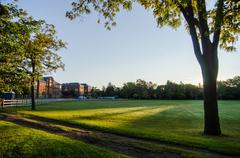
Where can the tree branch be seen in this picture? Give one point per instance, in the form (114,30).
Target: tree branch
(218,24)
(203,25)
(189,17)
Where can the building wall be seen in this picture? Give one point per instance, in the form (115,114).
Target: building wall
(71,90)
(47,87)
(82,89)
(85,89)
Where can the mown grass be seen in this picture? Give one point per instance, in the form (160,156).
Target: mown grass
(22,142)
(175,121)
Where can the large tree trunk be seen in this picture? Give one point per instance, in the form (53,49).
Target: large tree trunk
(209,72)
(211,118)
(207,57)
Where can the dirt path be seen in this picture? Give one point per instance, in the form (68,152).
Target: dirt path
(130,146)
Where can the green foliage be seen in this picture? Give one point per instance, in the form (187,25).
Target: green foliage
(14,30)
(231,25)
(166,12)
(106,8)
(110,90)
(229,89)
(40,51)
(148,90)
(25,43)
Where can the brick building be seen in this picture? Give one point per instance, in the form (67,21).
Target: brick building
(85,89)
(70,90)
(75,89)
(47,87)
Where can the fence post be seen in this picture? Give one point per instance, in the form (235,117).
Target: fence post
(2,103)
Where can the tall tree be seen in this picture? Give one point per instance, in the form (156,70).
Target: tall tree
(229,89)
(28,49)
(41,54)
(14,29)
(208,28)
(110,90)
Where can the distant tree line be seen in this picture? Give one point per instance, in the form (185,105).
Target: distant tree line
(229,89)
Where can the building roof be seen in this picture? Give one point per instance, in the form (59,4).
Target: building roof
(47,77)
(71,83)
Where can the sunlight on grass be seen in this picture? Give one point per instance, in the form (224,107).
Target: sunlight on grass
(108,117)
(118,117)
(18,141)
(175,121)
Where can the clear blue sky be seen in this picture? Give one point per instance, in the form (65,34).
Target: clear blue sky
(134,49)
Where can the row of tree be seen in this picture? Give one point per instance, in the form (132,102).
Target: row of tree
(28,49)
(229,89)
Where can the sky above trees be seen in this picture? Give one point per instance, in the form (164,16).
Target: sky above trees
(134,49)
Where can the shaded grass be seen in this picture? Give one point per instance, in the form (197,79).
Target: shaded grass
(18,141)
(176,121)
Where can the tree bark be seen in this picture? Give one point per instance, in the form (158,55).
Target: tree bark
(38,84)
(209,73)
(32,87)
(207,58)
(33,94)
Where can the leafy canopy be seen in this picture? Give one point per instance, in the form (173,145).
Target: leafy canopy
(41,51)
(15,28)
(25,43)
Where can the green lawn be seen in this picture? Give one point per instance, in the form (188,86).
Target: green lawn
(17,141)
(175,121)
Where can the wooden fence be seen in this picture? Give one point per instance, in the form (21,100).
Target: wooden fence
(27,102)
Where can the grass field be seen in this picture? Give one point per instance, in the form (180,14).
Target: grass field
(175,121)
(18,141)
